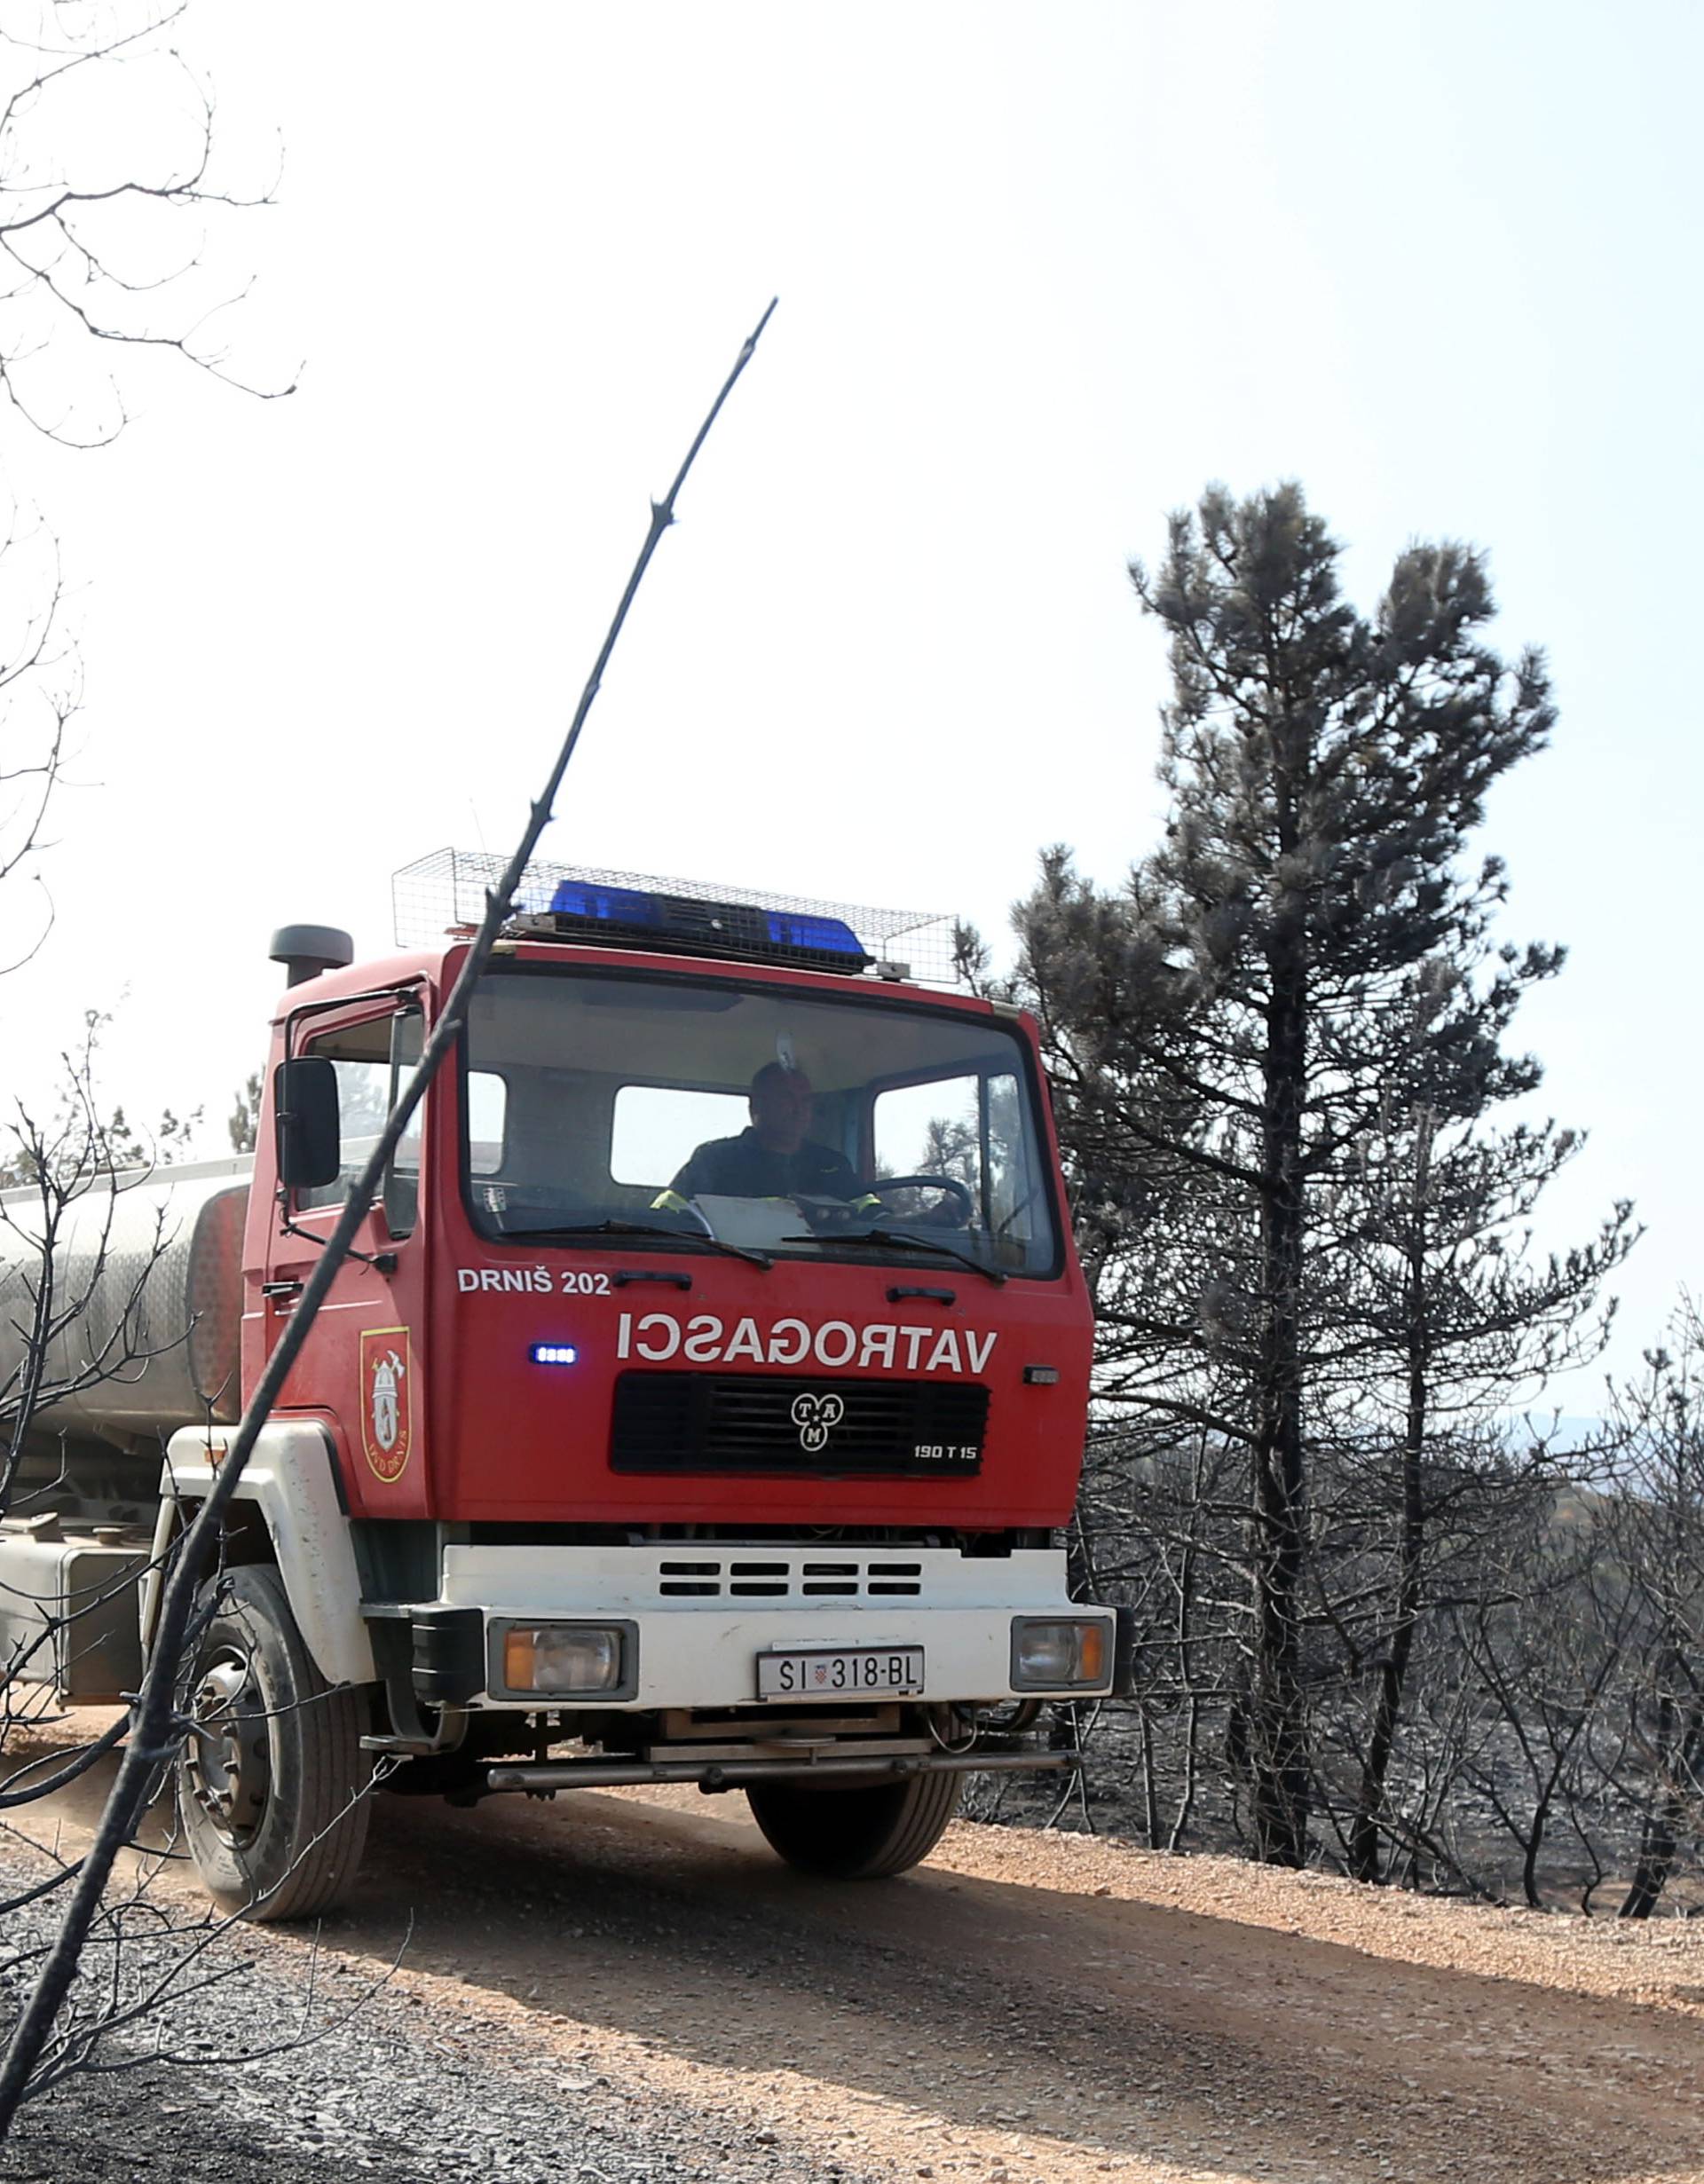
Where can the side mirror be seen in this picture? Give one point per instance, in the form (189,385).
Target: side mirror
(306,1120)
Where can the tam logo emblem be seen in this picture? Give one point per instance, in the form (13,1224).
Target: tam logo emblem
(816,1418)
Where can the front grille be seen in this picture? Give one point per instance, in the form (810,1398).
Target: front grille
(844,1578)
(835,1429)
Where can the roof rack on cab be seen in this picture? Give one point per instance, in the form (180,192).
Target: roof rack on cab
(447,890)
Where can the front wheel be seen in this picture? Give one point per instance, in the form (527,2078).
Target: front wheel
(271,1781)
(863,1834)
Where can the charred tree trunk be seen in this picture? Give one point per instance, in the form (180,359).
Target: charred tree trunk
(1680,1739)
(1277,1750)
(1365,1862)
(1150,1791)
(1364,1858)
(1187,1795)
(1187,1683)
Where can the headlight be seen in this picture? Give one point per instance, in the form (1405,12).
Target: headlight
(1061,1656)
(562,1661)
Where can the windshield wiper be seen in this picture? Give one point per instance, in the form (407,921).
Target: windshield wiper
(892,1236)
(645,1228)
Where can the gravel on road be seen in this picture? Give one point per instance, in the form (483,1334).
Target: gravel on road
(627,1985)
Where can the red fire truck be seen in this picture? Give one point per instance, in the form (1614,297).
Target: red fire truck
(646,1438)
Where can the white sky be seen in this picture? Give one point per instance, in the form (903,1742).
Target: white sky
(1044,273)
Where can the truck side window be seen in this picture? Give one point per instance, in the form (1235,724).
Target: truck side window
(487,1122)
(970,1128)
(656,1128)
(402,1177)
(373,1059)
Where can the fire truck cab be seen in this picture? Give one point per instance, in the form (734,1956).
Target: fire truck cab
(643,1438)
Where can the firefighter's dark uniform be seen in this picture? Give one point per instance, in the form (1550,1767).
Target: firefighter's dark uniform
(742,1167)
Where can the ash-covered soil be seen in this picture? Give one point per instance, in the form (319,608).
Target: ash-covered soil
(311,2063)
(627,1985)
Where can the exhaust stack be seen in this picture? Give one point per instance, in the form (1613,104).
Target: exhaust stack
(306,950)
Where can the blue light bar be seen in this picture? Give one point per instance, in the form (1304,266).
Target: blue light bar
(826,936)
(629,917)
(554,1353)
(624,906)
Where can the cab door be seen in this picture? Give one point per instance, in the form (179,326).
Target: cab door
(364,1363)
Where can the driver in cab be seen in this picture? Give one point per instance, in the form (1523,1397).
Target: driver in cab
(773,1158)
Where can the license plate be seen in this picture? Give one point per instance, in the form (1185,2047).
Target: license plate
(856,1672)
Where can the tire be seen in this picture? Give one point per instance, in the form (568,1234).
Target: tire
(270,1794)
(863,1833)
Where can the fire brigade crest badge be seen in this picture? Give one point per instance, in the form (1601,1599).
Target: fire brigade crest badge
(387,1407)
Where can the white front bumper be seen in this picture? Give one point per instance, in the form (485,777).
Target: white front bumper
(701,1614)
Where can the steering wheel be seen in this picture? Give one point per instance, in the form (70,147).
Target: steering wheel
(953,1189)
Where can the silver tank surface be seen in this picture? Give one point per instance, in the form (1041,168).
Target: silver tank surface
(161,1341)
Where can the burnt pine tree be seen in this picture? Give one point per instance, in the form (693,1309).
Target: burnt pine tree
(1217,1025)
(1441,1316)
(1650,1534)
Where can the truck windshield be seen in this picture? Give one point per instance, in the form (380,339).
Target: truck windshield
(747,1115)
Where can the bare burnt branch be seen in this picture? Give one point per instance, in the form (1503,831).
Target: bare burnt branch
(34,1895)
(69,1182)
(144,1956)
(38,2047)
(37,1786)
(40,694)
(71,232)
(143,1959)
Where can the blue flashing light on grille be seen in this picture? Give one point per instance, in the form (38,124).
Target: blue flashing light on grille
(554,1353)
(826,936)
(622,906)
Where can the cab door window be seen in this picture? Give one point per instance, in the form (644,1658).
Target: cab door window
(373,1059)
(973,1129)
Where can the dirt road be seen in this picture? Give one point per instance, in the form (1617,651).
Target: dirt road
(1040,2007)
